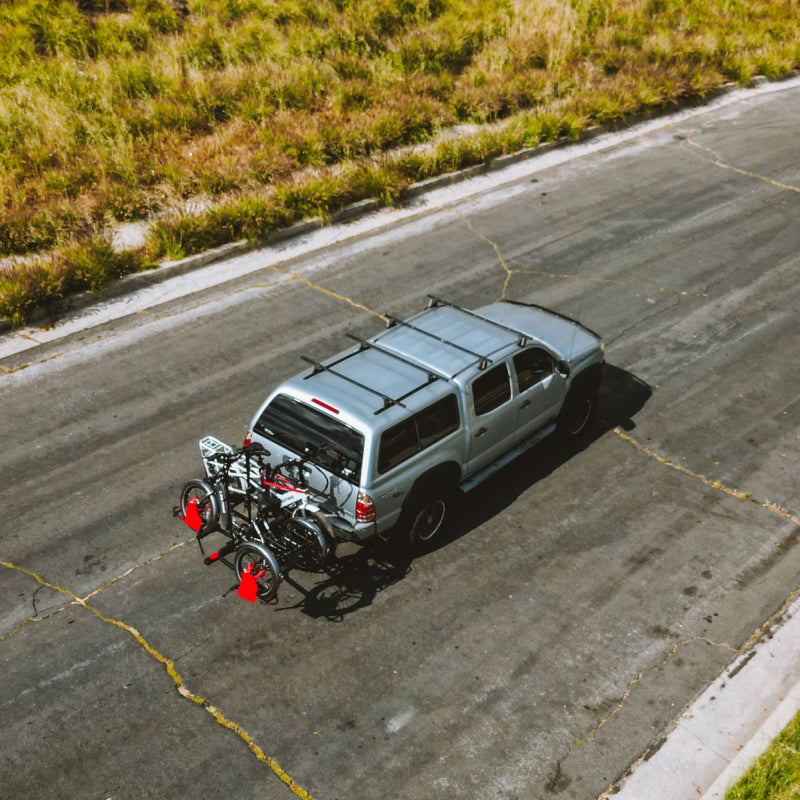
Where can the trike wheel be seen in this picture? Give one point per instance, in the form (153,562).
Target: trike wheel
(260,562)
(313,546)
(207,505)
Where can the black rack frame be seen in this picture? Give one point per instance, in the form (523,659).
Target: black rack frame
(388,402)
(431,375)
(523,339)
(483,361)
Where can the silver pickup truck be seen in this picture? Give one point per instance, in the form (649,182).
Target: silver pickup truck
(396,425)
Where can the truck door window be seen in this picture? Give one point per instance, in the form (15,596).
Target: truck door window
(397,444)
(438,420)
(426,427)
(491,390)
(531,366)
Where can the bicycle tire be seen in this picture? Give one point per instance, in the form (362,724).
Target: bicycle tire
(263,566)
(207,504)
(315,546)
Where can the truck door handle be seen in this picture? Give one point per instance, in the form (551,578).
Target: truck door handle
(480,431)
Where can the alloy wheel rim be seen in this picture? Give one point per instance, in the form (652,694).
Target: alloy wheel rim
(432,521)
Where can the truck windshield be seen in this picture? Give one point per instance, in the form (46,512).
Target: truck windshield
(304,430)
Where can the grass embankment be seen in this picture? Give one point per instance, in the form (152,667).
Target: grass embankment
(262,112)
(776,774)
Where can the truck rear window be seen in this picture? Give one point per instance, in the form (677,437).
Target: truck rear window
(302,429)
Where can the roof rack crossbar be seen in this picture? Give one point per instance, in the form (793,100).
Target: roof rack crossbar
(483,361)
(388,402)
(365,344)
(523,339)
(555,313)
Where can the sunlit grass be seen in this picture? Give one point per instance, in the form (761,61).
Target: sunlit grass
(120,110)
(776,774)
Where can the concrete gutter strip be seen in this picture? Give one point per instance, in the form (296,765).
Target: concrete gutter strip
(762,739)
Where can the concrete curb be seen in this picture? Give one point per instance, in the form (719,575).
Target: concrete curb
(757,746)
(169,269)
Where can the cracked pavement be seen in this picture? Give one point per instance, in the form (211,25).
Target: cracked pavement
(584,598)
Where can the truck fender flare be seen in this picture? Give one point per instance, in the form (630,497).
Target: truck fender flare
(448,474)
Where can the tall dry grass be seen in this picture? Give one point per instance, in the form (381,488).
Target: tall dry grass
(120,110)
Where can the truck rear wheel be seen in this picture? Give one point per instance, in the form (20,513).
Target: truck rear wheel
(428,518)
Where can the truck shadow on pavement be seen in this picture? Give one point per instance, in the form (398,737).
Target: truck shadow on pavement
(353,580)
(622,395)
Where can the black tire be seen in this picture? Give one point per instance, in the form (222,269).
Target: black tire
(428,518)
(577,413)
(207,504)
(261,566)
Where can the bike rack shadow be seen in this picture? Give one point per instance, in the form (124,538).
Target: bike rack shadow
(354,580)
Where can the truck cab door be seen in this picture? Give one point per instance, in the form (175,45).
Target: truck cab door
(492,416)
(540,389)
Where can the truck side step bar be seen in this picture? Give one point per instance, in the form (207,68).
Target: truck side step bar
(489,470)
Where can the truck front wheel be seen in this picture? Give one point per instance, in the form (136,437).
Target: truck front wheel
(577,413)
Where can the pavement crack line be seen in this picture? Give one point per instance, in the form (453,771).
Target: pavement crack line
(39,618)
(768,505)
(22,624)
(638,679)
(329,292)
(717,161)
(714,484)
(510,273)
(173,673)
(758,634)
(147,563)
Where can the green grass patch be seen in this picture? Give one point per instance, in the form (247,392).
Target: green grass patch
(775,775)
(118,110)
(45,282)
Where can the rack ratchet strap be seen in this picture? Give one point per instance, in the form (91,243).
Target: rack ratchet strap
(524,338)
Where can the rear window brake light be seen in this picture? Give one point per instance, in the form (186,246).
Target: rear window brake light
(324,405)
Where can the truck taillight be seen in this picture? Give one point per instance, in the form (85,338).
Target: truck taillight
(365,508)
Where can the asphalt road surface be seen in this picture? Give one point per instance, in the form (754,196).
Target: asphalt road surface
(582,599)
